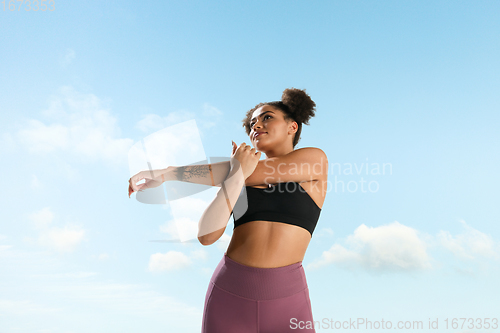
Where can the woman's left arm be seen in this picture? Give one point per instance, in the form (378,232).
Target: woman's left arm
(205,174)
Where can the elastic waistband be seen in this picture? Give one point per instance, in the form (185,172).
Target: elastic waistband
(259,283)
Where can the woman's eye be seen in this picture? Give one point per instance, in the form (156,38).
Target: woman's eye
(251,125)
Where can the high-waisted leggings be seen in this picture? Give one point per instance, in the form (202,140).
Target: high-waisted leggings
(245,299)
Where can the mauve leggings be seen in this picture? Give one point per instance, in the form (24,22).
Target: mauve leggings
(245,299)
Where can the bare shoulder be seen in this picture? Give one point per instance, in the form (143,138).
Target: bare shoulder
(318,158)
(312,152)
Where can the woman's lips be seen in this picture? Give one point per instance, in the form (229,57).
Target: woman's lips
(259,134)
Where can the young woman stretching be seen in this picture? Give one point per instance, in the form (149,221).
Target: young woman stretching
(260,284)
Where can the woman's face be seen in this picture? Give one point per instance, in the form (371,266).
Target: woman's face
(276,131)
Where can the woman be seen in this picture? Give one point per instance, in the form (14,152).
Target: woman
(260,284)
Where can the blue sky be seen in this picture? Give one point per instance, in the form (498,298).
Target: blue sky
(413,84)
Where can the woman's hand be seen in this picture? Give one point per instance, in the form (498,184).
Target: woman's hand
(150,182)
(246,157)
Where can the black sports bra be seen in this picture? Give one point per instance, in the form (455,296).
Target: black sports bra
(285,202)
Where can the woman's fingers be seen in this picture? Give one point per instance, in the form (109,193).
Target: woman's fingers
(137,178)
(149,182)
(132,186)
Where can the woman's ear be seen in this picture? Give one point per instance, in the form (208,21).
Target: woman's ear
(293,127)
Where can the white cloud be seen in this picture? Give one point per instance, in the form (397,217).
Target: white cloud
(470,244)
(223,242)
(5,247)
(82,126)
(46,281)
(41,138)
(388,247)
(42,218)
(67,58)
(103,256)
(152,122)
(73,275)
(206,271)
(211,111)
(187,213)
(325,232)
(172,260)
(170,229)
(35,183)
(201,254)
(210,115)
(24,307)
(7,143)
(62,239)
(128,299)
(175,260)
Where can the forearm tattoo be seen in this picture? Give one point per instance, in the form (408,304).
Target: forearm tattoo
(207,174)
(199,174)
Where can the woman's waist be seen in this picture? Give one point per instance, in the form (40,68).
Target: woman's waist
(259,283)
(256,256)
(267,244)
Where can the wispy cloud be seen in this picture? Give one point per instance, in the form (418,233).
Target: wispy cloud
(103,256)
(81,126)
(47,282)
(67,58)
(223,242)
(42,218)
(470,244)
(207,118)
(5,247)
(7,142)
(172,260)
(175,260)
(396,247)
(35,183)
(64,239)
(70,275)
(200,254)
(211,114)
(25,307)
(128,299)
(153,122)
(393,247)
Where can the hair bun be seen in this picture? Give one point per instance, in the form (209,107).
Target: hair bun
(301,106)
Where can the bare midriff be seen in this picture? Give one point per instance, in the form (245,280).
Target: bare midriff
(270,244)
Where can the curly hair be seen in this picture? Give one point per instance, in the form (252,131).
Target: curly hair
(296,106)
